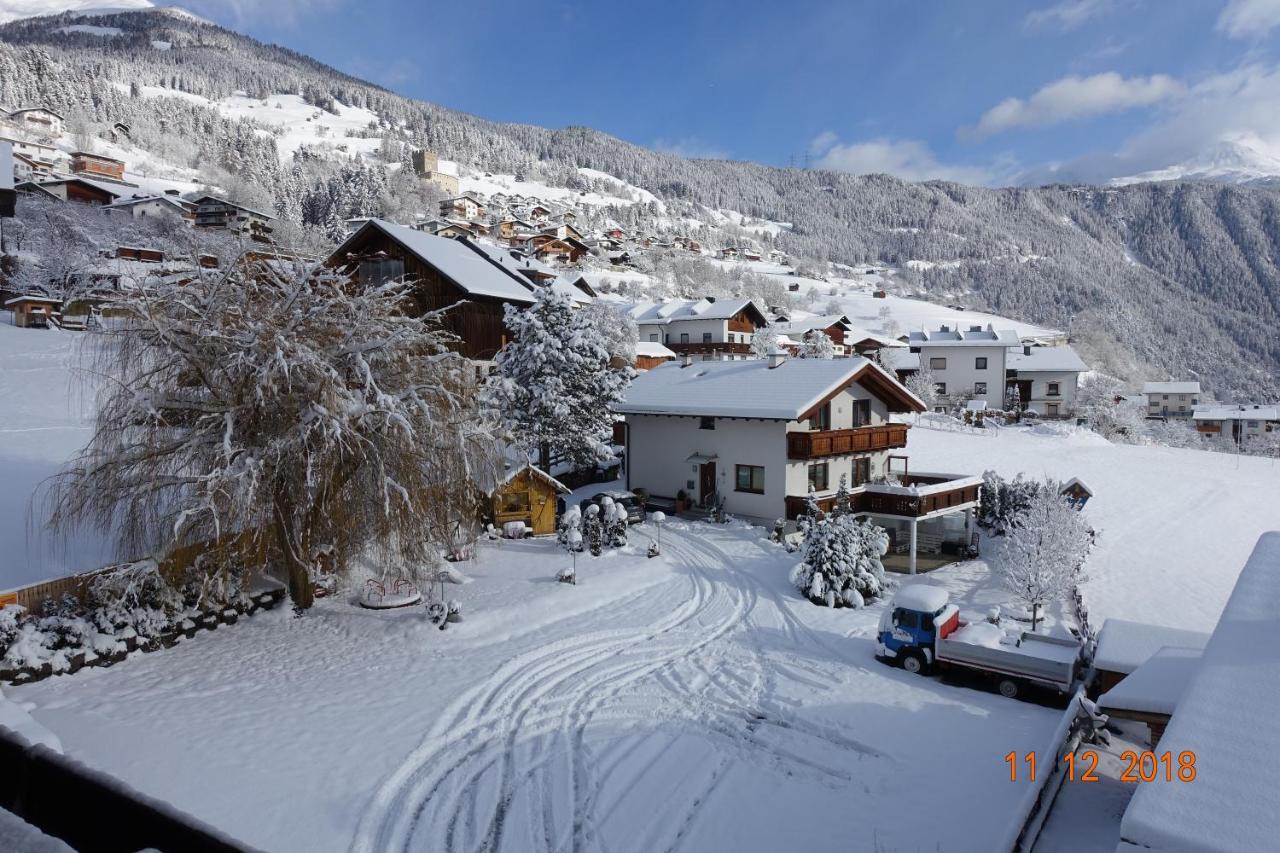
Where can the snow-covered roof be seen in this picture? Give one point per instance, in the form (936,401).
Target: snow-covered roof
(1249,412)
(1171,388)
(856,335)
(677,310)
(900,359)
(753,389)
(971,336)
(1076,482)
(653,349)
(1156,686)
(181,205)
(28,297)
(1227,718)
(229,203)
(471,270)
(1123,645)
(1061,359)
(922,597)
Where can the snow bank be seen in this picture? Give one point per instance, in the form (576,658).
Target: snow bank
(14,717)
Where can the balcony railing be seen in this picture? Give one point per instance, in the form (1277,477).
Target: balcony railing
(906,500)
(838,442)
(702,347)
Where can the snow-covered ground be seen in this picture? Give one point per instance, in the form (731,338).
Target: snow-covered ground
(693,701)
(1174,526)
(44,421)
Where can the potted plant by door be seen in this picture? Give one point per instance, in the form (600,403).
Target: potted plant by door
(682,501)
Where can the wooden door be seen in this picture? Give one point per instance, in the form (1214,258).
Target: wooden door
(707,475)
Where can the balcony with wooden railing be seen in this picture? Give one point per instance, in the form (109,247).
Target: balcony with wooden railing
(821,444)
(915,495)
(709,347)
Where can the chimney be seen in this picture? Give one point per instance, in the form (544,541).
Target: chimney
(776,358)
(686,360)
(1026,349)
(944,328)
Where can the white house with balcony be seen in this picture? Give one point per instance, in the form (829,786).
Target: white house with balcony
(708,329)
(967,364)
(1046,378)
(1171,399)
(1241,422)
(756,437)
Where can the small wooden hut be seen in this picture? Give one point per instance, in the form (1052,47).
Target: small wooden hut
(527,494)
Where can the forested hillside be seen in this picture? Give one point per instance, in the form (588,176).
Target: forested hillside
(1163,279)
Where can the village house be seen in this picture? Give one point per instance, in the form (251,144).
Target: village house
(565,250)
(1171,399)
(214,212)
(835,326)
(461,207)
(538,212)
(445,274)
(709,328)
(563,230)
(967,364)
(757,437)
(8,195)
(41,159)
(751,255)
(572,284)
(728,253)
(1240,423)
(155,207)
(1046,379)
(71,189)
(510,226)
(97,166)
(38,120)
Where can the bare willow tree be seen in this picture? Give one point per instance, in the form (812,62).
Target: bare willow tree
(273,411)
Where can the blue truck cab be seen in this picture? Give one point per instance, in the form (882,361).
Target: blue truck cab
(909,627)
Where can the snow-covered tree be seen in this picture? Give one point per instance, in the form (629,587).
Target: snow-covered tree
(764,342)
(844,498)
(1044,550)
(569,533)
(271,411)
(1003,501)
(923,384)
(1100,399)
(554,387)
(841,561)
(817,344)
(593,529)
(1012,398)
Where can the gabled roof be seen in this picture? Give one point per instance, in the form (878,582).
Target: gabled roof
(472,271)
(805,324)
(947,336)
(677,310)
(1124,645)
(37,110)
(753,389)
(45,184)
(229,203)
(1171,388)
(1061,359)
(182,205)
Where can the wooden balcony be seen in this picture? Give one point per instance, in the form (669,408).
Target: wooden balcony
(701,348)
(869,499)
(840,442)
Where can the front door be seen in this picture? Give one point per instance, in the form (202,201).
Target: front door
(707,476)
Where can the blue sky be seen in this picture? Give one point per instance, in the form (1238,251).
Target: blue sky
(981,91)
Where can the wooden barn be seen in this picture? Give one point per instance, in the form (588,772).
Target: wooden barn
(528,494)
(32,312)
(445,273)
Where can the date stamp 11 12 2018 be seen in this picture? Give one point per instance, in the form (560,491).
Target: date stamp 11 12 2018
(1143,766)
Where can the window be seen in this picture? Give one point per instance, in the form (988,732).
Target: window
(653,338)
(861,471)
(1253,424)
(1054,390)
(818,477)
(733,339)
(821,419)
(707,423)
(513,502)
(979,387)
(706,337)
(926,621)
(684,337)
(940,388)
(980,363)
(861,413)
(937,364)
(750,478)
(1164,396)
(378,271)
(905,618)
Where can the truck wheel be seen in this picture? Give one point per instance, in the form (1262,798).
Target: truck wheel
(914,663)
(1008,688)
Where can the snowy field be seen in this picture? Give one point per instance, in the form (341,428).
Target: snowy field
(43,423)
(692,702)
(1174,526)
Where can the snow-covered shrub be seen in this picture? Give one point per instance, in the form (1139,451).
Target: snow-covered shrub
(841,562)
(593,529)
(569,533)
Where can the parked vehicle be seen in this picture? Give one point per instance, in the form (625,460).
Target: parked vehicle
(921,630)
(632,503)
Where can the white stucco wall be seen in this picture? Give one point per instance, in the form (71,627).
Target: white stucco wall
(1178,405)
(1066,400)
(960,373)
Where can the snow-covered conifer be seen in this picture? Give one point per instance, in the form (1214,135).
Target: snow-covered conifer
(841,562)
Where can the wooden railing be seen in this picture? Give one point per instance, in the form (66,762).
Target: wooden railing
(837,442)
(882,503)
(700,347)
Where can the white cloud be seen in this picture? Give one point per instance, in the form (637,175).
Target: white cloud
(823,142)
(11,10)
(1249,18)
(1066,15)
(1074,98)
(909,159)
(1221,116)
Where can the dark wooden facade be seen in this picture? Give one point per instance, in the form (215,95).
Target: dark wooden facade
(477,321)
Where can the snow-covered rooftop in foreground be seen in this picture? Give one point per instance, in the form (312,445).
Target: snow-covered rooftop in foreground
(1171,388)
(1061,359)
(741,389)
(1227,718)
(1124,645)
(1156,686)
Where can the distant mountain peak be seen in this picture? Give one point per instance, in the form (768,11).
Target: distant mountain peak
(1244,159)
(12,10)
